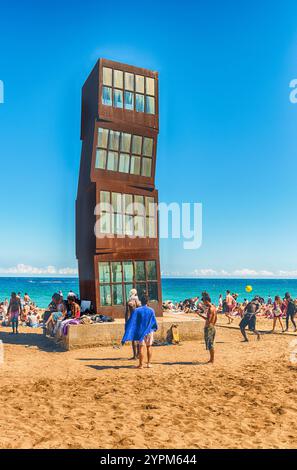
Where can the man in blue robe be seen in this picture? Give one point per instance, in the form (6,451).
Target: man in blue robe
(140,327)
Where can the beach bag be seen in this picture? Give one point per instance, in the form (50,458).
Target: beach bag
(173,335)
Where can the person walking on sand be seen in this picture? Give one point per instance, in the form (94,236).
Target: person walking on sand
(249,318)
(290,309)
(210,322)
(231,303)
(141,327)
(14,311)
(132,304)
(277,313)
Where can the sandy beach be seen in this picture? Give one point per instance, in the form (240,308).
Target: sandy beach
(94,398)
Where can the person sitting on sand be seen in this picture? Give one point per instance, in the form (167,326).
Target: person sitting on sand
(249,318)
(132,304)
(141,327)
(74,308)
(210,317)
(56,311)
(14,310)
(277,313)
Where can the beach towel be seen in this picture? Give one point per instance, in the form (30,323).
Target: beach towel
(141,322)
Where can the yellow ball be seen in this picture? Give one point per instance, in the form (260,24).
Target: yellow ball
(248,288)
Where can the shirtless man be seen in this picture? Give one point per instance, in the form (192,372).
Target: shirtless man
(210,321)
(249,318)
(231,303)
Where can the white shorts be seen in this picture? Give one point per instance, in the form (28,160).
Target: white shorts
(147,340)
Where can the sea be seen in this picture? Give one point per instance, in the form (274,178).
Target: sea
(41,289)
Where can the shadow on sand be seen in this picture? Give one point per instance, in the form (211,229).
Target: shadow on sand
(30,340)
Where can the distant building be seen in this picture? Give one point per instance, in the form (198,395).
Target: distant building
(119,130)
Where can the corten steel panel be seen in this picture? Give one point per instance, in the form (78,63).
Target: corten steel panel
(89,249)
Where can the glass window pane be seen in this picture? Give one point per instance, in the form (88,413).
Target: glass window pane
(129,100)
(136,144)
(150,86)
(151,269)
(153,291)
(140,271)
(128,224)
(117,98)
(128,271)
(117,294)
(141,289)
(114,139)
(148,146)
(139,103)
(112,161)
(150,206)
(127,288)
(117,224)
(125,142)
(129,81)
(116,201)
(105,196)
(118,78)
(150,227)
(116,271)
(105,222)
(105,297)
(104,272)
(139,83)
(139,226)
(146,167)
(102,137)
(107,76)
(106,96)
(128,203)
(139,199)
(135,165)
(100,159)
(124,163)
(150,105)
(139,208)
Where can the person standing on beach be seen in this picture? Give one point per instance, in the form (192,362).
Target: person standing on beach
(132,304)
(230,302)
(210,322)
(141,327)
(290,310)
(249,318)
(14,310)
(277,313)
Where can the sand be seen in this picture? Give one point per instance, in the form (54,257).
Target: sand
(94,398)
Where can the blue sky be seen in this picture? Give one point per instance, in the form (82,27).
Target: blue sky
(227,128)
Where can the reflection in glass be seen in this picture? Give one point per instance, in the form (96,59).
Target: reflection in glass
(118,78)
(139,103)
(105,196)
(112,161)
(139,271)
(148,146)
(117,294)
(150,105)
(153,291)
(105,222)
(117,224)
(114,139)
(150,227)
(136,144)
(139,226)
(135,165)
(116,271)
(141,289)
(150,206)
(125,142)
(146,166)
(105,297)
(128,224)
(107,76)
(118,98)
(106,96)
(104,272)
(150,86)
(129,81)
(128,271)
(102,137)
(139,83)
(127,288)
(129,100)
(100,159)
(151,269)
(124,163)
(128,204)
(116,201)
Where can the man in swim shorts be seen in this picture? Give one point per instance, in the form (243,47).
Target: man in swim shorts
(210,321)
(249,318)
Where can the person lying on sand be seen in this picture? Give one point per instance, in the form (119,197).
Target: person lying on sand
(210,321)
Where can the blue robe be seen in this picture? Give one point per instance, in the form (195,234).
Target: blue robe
(141,322)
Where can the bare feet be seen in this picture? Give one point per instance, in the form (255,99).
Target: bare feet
(149,366)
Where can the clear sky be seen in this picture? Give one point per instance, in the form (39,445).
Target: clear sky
(228,132)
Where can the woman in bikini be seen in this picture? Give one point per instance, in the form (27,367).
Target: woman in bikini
(277,313)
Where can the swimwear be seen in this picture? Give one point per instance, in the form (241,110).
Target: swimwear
(147,340)
(209,336)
